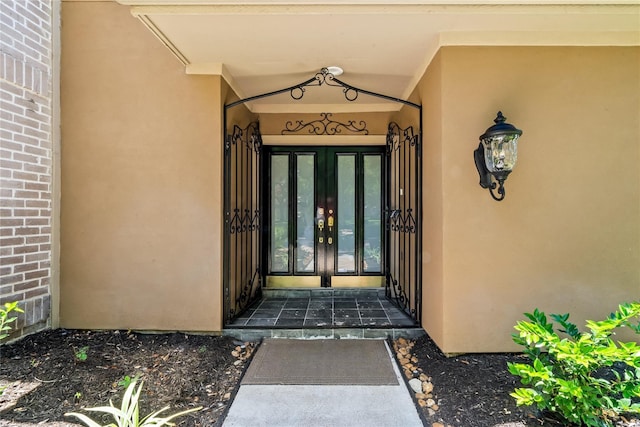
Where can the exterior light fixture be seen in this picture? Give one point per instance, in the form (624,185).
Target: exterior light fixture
(496,155)
(336,71)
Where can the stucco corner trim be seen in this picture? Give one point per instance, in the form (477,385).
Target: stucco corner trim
(160,35)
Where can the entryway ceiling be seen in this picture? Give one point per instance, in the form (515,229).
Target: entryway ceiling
(383,46)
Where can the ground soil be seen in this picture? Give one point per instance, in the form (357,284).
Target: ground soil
(187,371)
(178,370)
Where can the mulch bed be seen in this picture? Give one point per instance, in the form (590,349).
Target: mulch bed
(179,370)
(186,371)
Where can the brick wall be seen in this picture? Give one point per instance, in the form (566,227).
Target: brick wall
(26,159)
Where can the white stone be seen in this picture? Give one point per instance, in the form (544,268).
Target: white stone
(416,385)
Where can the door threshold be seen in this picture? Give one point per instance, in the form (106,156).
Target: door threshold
(257,334)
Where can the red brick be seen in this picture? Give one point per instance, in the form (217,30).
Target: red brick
(25,267)
(36,274)
(36,257)
(25,176)
(36,292)
(12,203)
(38,239)
(25,249)
(28,140)
(11,146)
(37,221)
(26,212)
(37,204)
(11,279)
(11,297)
(12,241)
(11,222)
(18,259)
(13,165)
(25,194)
(26,158)
(36,186)
(27,231)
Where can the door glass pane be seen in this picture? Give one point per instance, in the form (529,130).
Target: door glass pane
(346,211)
(279,214)
(305,250)
(372,213)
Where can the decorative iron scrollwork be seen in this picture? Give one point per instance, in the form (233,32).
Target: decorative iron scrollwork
(243,148)
(324,77)
(396,136)
(403,270)
(250,135)
(325,126)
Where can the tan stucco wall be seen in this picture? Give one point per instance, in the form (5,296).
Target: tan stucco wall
(141,217)
(567,236)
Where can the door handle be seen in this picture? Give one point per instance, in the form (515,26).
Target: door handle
(330,225)
(320,222)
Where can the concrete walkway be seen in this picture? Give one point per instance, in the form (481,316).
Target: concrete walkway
(324,405)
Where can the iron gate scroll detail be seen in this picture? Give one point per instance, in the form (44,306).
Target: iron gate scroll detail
(403,270)
(243,219)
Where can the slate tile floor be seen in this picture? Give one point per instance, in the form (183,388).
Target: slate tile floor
(323,311)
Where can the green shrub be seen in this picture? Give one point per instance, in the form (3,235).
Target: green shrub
(585,377)
(5,319)
(128,415)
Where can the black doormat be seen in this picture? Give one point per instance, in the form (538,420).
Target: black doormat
(321,362)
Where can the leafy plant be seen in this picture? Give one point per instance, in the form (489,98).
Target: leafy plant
(584,377)
(128,415)
(81,353)
(125,381)
(5,320)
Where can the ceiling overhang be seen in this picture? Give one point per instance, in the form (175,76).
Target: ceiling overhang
(383,46)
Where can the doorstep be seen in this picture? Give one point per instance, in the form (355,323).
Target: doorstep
(323,313)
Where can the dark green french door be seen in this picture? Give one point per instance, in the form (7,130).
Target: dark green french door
(324,216)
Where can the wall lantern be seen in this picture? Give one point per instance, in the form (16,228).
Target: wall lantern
(496,155)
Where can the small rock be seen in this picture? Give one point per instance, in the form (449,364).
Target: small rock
(423,377)
(414,359)
(227,396)
(430,403)
(437,424)
(402,342)
(416,385)
(408,374)
(422,396)
(432,413)
(234,353)
(422,403)
(435,407)
(403,351)
(427,387)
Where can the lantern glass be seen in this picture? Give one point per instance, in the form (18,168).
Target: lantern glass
(501,152)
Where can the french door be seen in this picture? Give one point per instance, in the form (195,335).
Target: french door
(324,216)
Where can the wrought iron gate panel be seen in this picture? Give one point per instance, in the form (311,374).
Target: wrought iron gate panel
(243,218)
(402,219)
